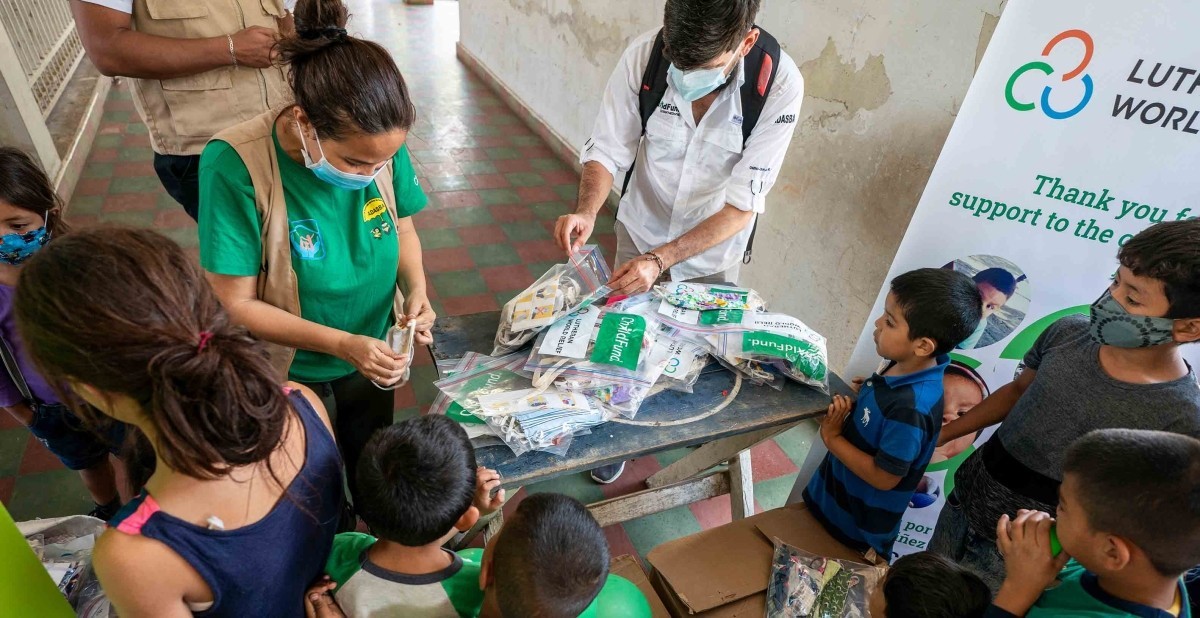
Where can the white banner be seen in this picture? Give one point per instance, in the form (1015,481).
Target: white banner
(1081,127)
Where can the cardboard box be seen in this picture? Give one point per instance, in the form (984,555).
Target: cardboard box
(630,568)
(723,572)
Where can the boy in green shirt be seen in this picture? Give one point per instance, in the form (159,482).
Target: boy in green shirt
(1128,522)
(419,487)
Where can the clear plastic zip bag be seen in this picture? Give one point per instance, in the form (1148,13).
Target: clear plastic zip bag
(779,342)
(603,353)
(540,420)
(703,322)
(561,290)
(804,585)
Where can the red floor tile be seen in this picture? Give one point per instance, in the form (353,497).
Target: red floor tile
(103,155)
(422,357)
(488,181)
(133,170)
(8,421)
(38,458)
(431,219)
(92,186)
(502,278)
(455,199)
(135,141)
(634,477)
(513,130)
(505,166)
(539,251)
(111,128)
(618,542)
(466,305)
(405,397)
(561,177)
(491,141)
(481,234)
(511,213)
(447,259)
(536,152)
(715,511)
(173,219)
(768,461)
(6,488)
(469,154)
(129,202)
(440,169)
(534,195)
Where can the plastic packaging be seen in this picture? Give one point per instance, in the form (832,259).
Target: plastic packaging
(561,290)
(778,340)
(805,585)
(601,352)
(494,375)
(702,297)
(401,340)
(706,322)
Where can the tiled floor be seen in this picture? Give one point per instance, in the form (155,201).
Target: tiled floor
(495,192)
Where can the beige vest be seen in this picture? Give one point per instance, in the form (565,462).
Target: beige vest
(277,284)
(183,113)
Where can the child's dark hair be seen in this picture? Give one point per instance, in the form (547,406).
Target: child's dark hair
(550,560)
(416,479)
(926,585)
(344,84)
(1169,252)
(127,312)
(24,185)
(941,304)
(1143,486)
(998,278)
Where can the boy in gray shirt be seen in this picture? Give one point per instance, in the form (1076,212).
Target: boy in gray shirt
(1120,368)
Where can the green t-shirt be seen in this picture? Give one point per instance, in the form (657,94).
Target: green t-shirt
(344,248)
(1079,594)
(365,589)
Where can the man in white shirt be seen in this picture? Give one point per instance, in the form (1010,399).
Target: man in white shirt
(197,66)
(699,182)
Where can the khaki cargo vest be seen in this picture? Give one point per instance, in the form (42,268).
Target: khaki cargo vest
(277,284)
(183,113)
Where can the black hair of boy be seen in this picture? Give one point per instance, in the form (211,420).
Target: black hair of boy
(943,305)
(416,479)
(1143,486)
(931,586)
(551,559)
(998,278)
(1169,252)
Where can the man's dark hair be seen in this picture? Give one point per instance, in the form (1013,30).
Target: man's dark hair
(550,560)
(998,278)
(1143,486)
(941,304)
(1169,252)
(697,31)
(416,479)
(930,586)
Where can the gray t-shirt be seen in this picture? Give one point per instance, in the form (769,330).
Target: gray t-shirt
(1070,396)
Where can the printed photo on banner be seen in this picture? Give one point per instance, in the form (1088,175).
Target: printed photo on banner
(1005,291)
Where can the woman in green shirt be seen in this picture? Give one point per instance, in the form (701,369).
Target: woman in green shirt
(347,249)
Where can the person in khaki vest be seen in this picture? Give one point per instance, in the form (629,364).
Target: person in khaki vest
(305,225)
(198,66)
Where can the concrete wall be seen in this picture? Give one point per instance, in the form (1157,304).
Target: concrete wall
(883,82)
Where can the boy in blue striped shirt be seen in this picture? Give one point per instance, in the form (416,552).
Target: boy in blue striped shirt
(880,445)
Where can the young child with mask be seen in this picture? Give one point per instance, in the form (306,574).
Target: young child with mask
(30,215)
(1122,368)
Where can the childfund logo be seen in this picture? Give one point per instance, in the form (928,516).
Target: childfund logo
(1045,68)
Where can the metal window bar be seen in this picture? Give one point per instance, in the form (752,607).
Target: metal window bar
(48,48)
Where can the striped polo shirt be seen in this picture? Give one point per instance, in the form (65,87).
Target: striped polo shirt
(896,420)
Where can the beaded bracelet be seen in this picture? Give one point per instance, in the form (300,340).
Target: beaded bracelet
(658,261)
(231,53)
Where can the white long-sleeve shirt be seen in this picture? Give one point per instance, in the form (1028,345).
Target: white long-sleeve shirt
(685,172)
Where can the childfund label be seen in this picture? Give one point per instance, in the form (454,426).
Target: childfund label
(619,341)
(803,355)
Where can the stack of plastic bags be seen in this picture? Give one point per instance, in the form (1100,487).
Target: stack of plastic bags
(805,585)
(592,362)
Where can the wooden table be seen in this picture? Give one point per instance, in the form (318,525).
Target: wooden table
(724,414)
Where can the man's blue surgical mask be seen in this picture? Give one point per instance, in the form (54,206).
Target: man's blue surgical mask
(16,248)
(325,170)
(1112,325)
(694,84)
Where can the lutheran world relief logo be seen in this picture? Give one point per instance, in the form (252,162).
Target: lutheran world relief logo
(1045,68)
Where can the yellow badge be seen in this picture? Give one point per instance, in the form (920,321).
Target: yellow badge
(373,209)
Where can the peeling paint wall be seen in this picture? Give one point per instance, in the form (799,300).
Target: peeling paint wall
(883,82)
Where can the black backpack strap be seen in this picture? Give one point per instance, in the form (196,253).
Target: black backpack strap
(650,94)
(761,66)
(14,372)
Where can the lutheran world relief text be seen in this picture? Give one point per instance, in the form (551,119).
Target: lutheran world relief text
(1082,212)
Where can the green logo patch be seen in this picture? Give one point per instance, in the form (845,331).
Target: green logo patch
(801,354)
(713,317)
(476,383)
(619,341)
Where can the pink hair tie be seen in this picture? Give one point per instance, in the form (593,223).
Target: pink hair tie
(205,337)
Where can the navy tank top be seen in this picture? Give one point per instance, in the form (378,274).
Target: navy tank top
(262,569)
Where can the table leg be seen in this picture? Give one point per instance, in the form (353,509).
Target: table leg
(741,486)
(711,454)
(493,527)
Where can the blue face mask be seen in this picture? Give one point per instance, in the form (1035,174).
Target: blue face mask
(325,170)
(696,83)
(16,248)
(1112,325)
